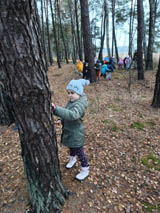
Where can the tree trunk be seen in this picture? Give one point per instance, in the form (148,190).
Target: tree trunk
(114,43)
(48,35)
(55,37)
(78,32)
(43,35)
(107,30)
(73,32)
(131,28)
(156,97)
(62,34)
(6,108)
(100,57)
(140,40)
(87,40)
(149,61)
(22,58)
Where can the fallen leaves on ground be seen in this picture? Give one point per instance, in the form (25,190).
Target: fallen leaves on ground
(122,130)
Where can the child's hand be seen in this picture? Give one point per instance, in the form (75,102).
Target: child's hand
(58,121)
(53,106)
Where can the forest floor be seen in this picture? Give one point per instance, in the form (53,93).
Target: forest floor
(122,144)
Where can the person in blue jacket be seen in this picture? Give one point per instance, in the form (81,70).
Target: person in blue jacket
(73,133)
(107,68)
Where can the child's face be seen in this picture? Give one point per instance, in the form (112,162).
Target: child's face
(72,95)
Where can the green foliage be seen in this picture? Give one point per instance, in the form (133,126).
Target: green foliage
(122,13)
(150,123)
(150,207)
(151,161)
(115,108)
(115,128)
(112,125)
(138,125)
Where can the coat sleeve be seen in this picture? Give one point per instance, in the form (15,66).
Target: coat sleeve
(70,114)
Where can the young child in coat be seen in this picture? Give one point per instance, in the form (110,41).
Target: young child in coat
(73,133)
(108,67)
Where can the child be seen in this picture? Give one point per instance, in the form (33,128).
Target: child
(107,67)
(98,69)
(120,63)
(127,62)
(80,66)
(73,133)
(85,70)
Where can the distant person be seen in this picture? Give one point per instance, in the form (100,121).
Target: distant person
(127,62)
(71,117)
(85,70)
(98,69)
(120,63)
(107,68)
(80,66)
(135,59)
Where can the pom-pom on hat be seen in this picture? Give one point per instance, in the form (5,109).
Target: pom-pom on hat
(77,86)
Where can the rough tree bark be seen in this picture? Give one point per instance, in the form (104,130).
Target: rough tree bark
(156,97)
(87,40)
(21,57)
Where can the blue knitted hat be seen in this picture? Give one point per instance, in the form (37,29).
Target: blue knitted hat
(77,86)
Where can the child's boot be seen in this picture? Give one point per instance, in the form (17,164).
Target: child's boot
(72,161)
(84,172)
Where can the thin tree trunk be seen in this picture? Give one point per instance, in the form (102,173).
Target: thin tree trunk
(55,37)
(149,61)
(140,40)
(48,36)
(107,30)
(78,32)
(103,34)
(43,34)
(130,29)
(62,34)
(73,32)
(156,97)
(87,41)
(113,31)
(23,62)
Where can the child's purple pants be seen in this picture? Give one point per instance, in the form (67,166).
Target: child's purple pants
(81,155)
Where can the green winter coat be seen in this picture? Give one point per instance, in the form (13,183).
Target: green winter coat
(73,133)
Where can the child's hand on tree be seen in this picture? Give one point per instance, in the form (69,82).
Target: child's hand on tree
(53,107)
(58,121)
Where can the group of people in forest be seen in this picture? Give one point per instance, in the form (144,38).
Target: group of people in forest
(102,68)
(124,63)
